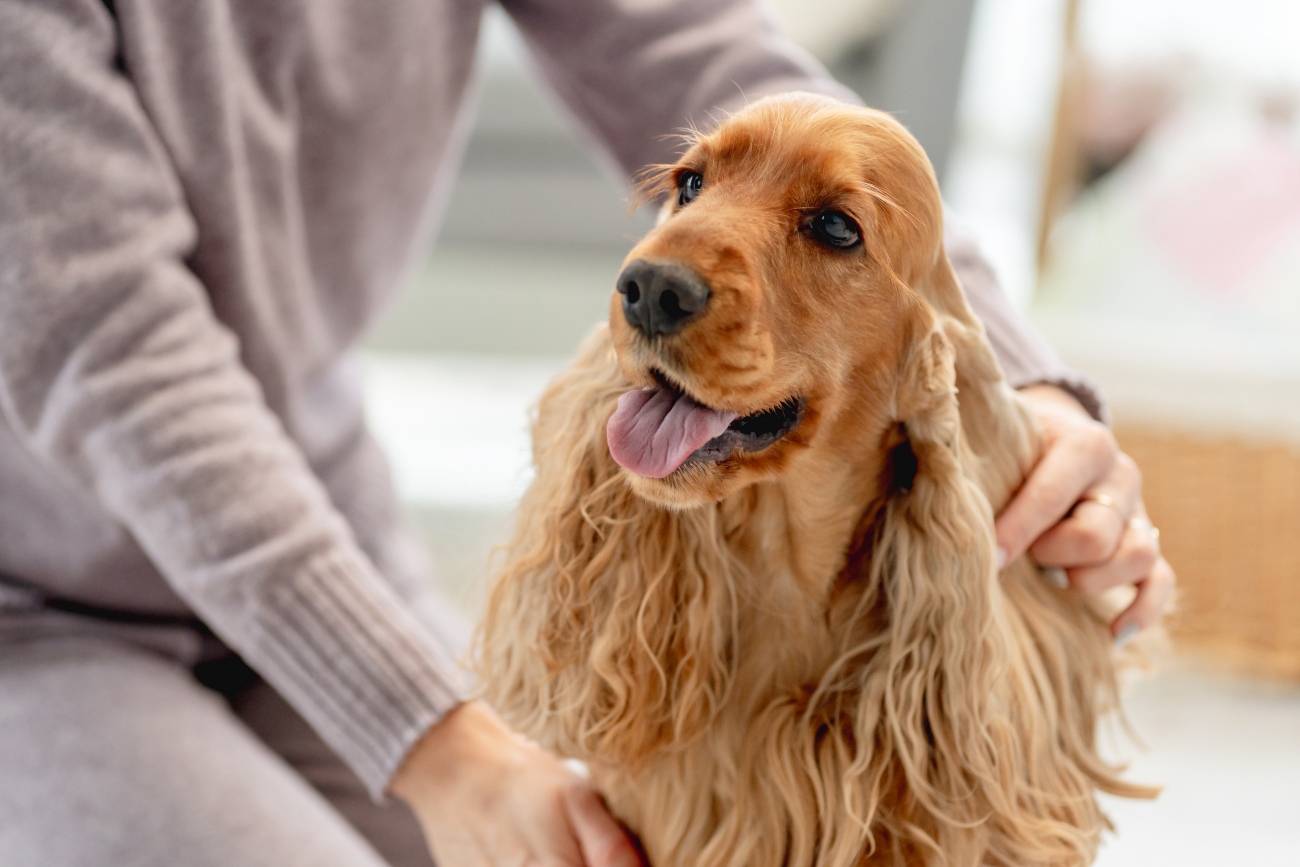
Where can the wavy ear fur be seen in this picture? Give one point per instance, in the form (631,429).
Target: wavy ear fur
(986,690)
(602,590)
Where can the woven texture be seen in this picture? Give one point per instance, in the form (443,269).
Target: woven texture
(1229,519)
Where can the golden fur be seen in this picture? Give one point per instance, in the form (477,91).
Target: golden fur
(806,655)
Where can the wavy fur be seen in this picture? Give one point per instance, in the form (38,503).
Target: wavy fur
(822,666)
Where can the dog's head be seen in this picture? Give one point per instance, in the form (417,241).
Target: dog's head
(798,260)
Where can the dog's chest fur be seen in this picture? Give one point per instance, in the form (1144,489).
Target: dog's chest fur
(791,627)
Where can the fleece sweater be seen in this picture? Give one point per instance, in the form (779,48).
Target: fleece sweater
(202,205)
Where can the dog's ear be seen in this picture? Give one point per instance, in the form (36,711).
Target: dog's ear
(1000,437)
(940,720)
(606,630)
(988,686)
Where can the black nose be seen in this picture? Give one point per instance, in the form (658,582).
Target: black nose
(661,297)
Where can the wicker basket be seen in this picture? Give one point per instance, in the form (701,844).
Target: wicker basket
(1229,519)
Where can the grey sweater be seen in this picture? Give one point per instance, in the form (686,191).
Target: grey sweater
(202,204)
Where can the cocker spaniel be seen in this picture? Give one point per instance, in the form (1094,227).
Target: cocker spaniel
(754,585)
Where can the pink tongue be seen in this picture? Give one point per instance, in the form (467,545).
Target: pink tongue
(654,431)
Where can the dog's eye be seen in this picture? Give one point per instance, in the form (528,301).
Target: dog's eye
(688,187)
(835,229)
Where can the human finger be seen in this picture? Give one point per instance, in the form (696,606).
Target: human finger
(1135,557)
(1091,532)
(602,840)
(1071,465)
(1155,593)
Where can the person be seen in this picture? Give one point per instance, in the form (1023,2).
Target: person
(210,643)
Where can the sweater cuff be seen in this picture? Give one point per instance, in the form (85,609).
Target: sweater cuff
(343,649)
(1078,386)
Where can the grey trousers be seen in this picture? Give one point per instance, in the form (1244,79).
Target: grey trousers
(113,754)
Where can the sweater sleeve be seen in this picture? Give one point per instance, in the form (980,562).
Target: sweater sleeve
(115,372)
(633,72)
(1025,355)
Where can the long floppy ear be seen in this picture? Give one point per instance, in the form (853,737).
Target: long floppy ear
(987,689)
(1001,438)
(606,630)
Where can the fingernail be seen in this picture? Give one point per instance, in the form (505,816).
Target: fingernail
(1127,634)
(1002,556)
(1056,576)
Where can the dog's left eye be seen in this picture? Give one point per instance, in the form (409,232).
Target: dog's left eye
(688,187)
(836,229)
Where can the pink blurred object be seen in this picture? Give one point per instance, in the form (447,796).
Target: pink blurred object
(1225,223)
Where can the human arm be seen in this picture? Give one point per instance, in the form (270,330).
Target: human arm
(634,72)
(127,389)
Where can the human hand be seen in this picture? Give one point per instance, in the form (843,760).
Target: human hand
(1080,514)
(487,797)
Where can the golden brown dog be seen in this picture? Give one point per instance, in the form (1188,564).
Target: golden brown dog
(777,634)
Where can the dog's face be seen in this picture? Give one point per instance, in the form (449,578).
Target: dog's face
(768,313)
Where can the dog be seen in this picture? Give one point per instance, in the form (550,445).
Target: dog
(753,585)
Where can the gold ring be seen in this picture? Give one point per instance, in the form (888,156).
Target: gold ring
(1104,500)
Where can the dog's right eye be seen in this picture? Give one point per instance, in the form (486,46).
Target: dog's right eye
(688,187)
(836,229)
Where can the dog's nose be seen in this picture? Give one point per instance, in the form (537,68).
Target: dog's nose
(661,297)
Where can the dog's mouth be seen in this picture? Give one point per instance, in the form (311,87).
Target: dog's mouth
(655,431)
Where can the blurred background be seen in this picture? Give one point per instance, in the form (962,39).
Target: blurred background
(1132,169)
